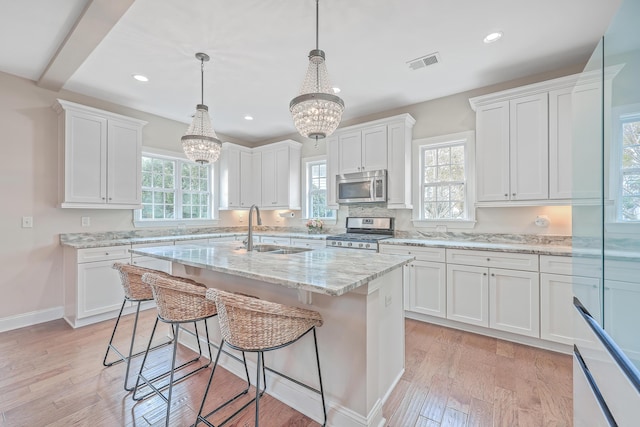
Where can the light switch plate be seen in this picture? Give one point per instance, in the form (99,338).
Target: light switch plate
(86,221)
(27,222)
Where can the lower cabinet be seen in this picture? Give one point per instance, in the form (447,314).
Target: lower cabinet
(425,289)
(514,301)
(498,290)
(467,294)
(92,288)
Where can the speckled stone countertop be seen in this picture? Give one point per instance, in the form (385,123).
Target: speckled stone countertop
(89,240)
(329,271)
(525,248)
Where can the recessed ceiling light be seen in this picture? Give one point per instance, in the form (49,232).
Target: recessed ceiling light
(248,117)
(140,78)
(336,90)
(493,37)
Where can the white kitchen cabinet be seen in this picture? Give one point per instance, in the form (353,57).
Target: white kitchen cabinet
(237,179)
(558,286)
(363,150)
(100,158)
(380,144)
(92,288)
(332,172)
(572,118)
(498,290)
(425,289)
(468,294)
(280,173)
(301,242)
(514,301)
(512,149)
(399,177)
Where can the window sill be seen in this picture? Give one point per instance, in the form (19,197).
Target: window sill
(325,221)
(622,227)
(444,225)
(175,223)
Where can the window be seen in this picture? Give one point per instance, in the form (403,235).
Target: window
(316,189)
(443,182)
(629,184)
(175,189)
(443,192)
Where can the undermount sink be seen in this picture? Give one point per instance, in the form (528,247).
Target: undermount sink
(280,250)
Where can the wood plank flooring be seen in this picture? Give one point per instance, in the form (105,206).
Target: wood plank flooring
(52,375)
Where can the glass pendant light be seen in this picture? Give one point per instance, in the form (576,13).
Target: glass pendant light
(201,143)
(316,111)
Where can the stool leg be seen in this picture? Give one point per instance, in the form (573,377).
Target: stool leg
(144,359)
(113,334)
(173,365)
(258,394)
(203,418)
(324,407)
(133,338)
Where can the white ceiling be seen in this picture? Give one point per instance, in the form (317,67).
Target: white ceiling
(259,50)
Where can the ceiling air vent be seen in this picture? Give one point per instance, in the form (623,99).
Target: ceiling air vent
(424,61)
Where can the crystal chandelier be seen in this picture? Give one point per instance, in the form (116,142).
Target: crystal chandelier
(201,143)
(316,111)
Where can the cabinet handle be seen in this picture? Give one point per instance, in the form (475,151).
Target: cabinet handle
(484,274)
(506,194)
(488,259)
(106,253)
(493,275)
(104,198)
(513,194)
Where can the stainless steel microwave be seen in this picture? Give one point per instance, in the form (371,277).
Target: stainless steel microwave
(362,187)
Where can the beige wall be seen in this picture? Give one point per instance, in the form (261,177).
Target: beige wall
(30,259)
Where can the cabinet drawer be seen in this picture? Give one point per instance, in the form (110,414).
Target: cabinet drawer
(103,254)
(571,266)
(421,253)
(513,261)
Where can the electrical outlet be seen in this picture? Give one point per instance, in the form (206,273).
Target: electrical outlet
(86,221)
(27,222)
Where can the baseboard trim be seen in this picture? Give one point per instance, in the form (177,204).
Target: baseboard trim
(29,319)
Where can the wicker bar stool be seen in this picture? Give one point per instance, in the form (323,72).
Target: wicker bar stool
(253,325)
(136,291)
(177,302)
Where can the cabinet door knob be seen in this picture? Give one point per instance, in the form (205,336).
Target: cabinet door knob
(513,194)
(106,253)
(506,194)
(488,259)
(104,198)
(493,275)
(484,274)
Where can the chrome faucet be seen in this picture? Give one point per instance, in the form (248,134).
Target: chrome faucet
(250,233)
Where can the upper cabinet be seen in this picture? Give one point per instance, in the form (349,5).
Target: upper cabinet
(524,139)
(362,150)
(267,176)
(381,144)
(280,183)
(100,158)
(237,177)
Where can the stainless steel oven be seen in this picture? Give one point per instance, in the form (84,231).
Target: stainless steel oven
(363,233)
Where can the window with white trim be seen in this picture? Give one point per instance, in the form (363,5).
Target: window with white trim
(443,186)
(629,167)
(316,189)
(175,189)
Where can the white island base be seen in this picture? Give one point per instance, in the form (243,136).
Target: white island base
(361,346)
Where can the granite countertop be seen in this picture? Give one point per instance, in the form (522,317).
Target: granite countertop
(328,271)
(85,241)
(525,248)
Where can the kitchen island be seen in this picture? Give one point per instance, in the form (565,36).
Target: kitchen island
(358,293)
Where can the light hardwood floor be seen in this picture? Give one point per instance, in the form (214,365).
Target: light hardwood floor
(52,375)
